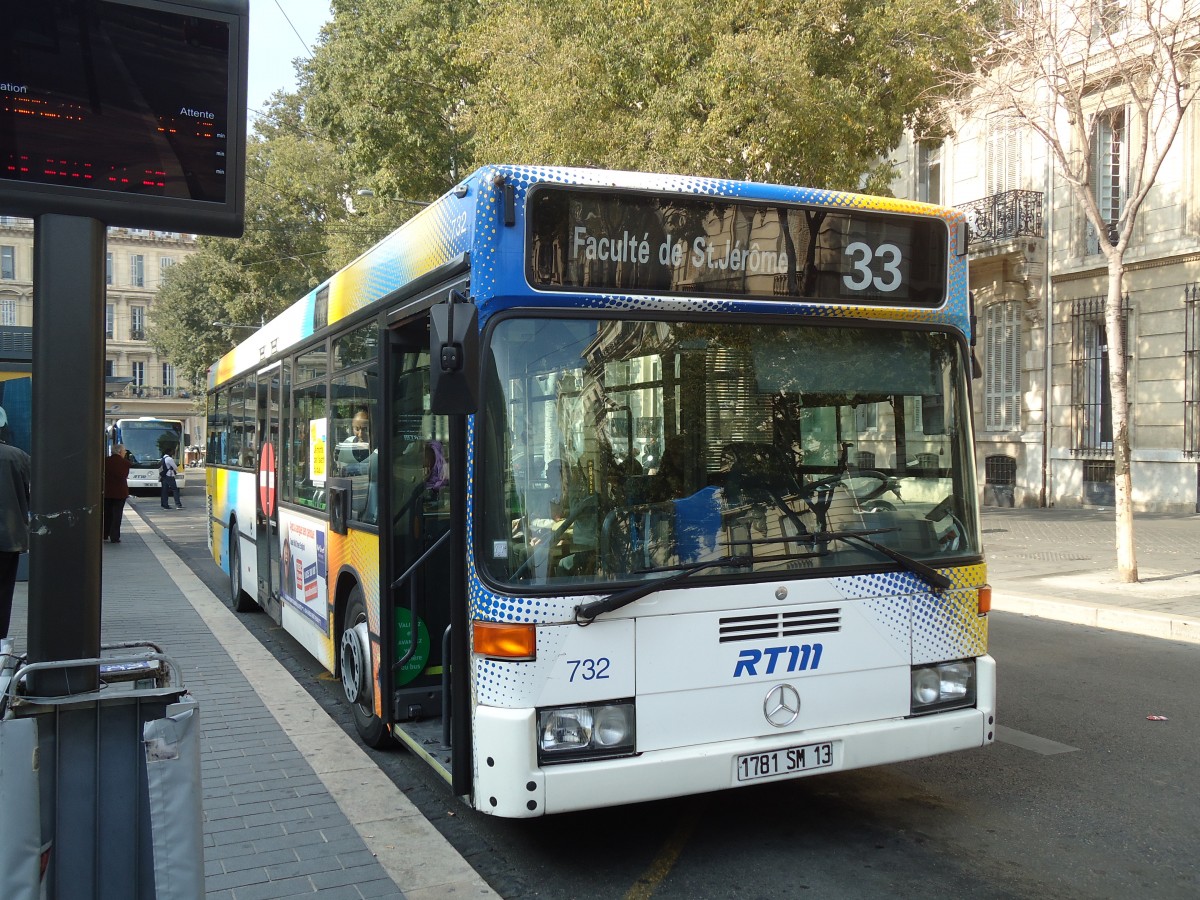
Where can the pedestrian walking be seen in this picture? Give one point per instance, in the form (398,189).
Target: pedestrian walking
(14,518)
(116,492)
(167,471)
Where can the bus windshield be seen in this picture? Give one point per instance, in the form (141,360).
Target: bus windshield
(621,451)
(148,440)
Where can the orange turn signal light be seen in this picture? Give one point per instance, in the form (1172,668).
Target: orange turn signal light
(985,599)
(505,640)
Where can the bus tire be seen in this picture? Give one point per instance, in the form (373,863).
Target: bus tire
(354,666)
(238,598)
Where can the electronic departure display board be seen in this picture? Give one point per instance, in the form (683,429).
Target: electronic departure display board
(631,242)
(128,111)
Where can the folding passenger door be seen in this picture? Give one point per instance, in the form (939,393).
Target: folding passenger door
(418,563)
(266,507)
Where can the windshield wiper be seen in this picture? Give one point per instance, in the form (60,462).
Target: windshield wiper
(585,613)
(936,579)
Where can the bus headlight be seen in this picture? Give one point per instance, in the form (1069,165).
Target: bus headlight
(592,731)
(942,686)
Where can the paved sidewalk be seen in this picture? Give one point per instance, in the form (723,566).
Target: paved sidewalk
(1062,564)
(292,805)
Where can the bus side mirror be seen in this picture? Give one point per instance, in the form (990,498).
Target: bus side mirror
(453,357)
(339,491)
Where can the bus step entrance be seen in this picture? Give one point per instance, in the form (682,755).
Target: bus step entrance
(425,736)
(416,704)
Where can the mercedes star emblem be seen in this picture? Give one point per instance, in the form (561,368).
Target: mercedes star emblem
(782,705)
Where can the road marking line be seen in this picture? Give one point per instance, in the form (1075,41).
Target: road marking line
(1041,745)
(661,867)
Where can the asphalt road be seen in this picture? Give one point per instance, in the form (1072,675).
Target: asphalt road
(1083,795)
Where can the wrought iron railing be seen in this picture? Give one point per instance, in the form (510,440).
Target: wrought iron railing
(1004,216)
(146,392)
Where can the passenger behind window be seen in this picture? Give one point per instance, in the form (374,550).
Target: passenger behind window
(354,450)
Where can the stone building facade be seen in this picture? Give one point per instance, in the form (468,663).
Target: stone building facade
(138,381)
(1039,279)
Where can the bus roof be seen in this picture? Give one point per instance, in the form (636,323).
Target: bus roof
(465,226)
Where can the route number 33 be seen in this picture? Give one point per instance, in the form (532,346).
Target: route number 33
(866,261)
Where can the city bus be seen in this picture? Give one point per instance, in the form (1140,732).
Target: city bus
(147,438)
(601,487)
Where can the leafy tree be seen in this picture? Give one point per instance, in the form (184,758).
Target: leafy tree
(793,92)
(193,295)
(299,229)
(387,85)
(1066,69)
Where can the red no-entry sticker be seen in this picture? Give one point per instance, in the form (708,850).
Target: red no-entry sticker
(266,479)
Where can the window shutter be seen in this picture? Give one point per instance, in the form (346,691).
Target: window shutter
(1002,374)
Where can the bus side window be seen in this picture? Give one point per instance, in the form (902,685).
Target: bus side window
(308,418)
(354,428)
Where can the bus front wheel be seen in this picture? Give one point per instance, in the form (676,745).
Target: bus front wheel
(238,598)
(358,679)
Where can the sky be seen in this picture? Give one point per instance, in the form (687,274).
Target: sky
(274,44)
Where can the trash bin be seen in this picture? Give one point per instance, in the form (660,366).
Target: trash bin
(118,780)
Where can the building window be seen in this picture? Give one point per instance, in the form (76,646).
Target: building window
(109,320)
(110,368)
(166,262)
(1091,398)
(139,377)
(1002,367)
(137,270)
(1108,17)
(866,417)
(168,380)
(1191,370)
(8,311)
(8,263)
(929,171)
(1099,482)
(108,270)
(1003,155)
(137,323)
(1108,153)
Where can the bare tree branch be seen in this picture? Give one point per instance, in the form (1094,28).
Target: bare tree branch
(1065,67)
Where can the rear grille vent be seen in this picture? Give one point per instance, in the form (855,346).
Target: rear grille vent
(772,626)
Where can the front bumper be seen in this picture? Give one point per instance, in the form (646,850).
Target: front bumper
(510,783)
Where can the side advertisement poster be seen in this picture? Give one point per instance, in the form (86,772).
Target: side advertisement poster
(304,567)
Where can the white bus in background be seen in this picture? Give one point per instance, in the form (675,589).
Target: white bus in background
(147,438)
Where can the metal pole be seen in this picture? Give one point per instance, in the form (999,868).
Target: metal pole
(68,429)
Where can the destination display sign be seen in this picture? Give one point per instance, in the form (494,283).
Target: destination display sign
(587,239)
(128,110)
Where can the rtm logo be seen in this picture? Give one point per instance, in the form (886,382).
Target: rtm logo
(778,659)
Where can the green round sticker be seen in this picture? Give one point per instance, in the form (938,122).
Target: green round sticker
(416,665)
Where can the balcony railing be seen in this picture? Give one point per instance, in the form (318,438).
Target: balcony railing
(1004,216)
(145,392)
